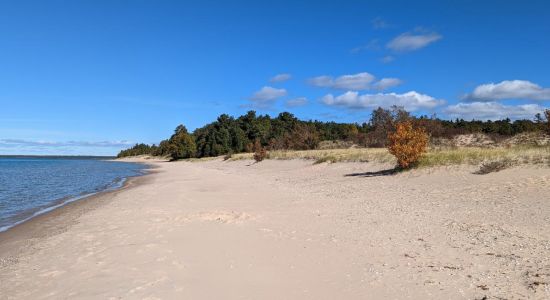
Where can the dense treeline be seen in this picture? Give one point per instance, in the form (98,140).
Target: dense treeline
(138,149)
(234,135)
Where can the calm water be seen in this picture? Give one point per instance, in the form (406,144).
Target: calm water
(31,186)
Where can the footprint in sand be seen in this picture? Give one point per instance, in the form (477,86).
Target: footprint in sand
(53,273)
(222,217)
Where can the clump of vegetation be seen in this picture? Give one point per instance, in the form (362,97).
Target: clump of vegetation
(407,144)
(329,159)
(181,144)
(138,149)
(228,156)
(260,153)
(383,122)
(301,137)
(494,166)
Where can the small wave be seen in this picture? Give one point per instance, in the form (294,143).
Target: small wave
(45,210)
(41,185)
(117,183)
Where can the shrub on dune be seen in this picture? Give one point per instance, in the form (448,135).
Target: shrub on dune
(260,153)
(494,166)
(407,144)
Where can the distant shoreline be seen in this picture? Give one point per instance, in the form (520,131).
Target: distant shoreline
(57,156)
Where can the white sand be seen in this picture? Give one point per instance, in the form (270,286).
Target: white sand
(293,230)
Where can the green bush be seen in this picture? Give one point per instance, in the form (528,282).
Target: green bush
(181,144)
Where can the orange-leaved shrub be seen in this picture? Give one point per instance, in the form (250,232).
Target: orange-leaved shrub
(260,153)
(407,144)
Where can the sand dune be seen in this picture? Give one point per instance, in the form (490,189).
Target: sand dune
(291,230)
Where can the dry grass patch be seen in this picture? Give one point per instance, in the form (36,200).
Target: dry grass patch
(328,155)
(474,156)
(199,159)
(337,155)
(494,166)
(434,157)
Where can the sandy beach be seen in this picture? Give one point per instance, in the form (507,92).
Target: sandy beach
(291,230)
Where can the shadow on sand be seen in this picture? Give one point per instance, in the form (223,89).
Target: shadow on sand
(387,172)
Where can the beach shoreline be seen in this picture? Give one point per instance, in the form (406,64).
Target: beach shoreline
(33,212)
(290,229)
(59,219)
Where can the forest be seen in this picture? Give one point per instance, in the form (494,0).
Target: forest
(228,135)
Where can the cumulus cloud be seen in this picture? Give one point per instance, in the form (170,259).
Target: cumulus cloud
(509,89)
(411,101)
(492,111)
(280,77)
(321,81)
(412,41)
(21,142)
(386,83)
(300,101)
(356,82)
(267,95)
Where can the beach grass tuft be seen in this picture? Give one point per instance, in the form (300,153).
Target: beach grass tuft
(494,166)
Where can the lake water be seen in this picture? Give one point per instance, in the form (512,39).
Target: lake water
(30,186)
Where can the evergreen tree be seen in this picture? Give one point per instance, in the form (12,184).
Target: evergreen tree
(181,144)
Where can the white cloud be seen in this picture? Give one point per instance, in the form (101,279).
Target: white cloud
(356,82)
(321,81)
(412,41)
(280,77)
(266,96)
(300,101)
(411,101)
(268,93)
(386,83)
(509,89)
(492,111)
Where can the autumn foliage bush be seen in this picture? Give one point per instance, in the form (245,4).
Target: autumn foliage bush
(407,143)
(260,153)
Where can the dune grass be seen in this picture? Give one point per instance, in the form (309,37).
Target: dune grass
(434,157)
(474,156)
(329,155)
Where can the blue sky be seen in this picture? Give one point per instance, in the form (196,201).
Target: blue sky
(91,77)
